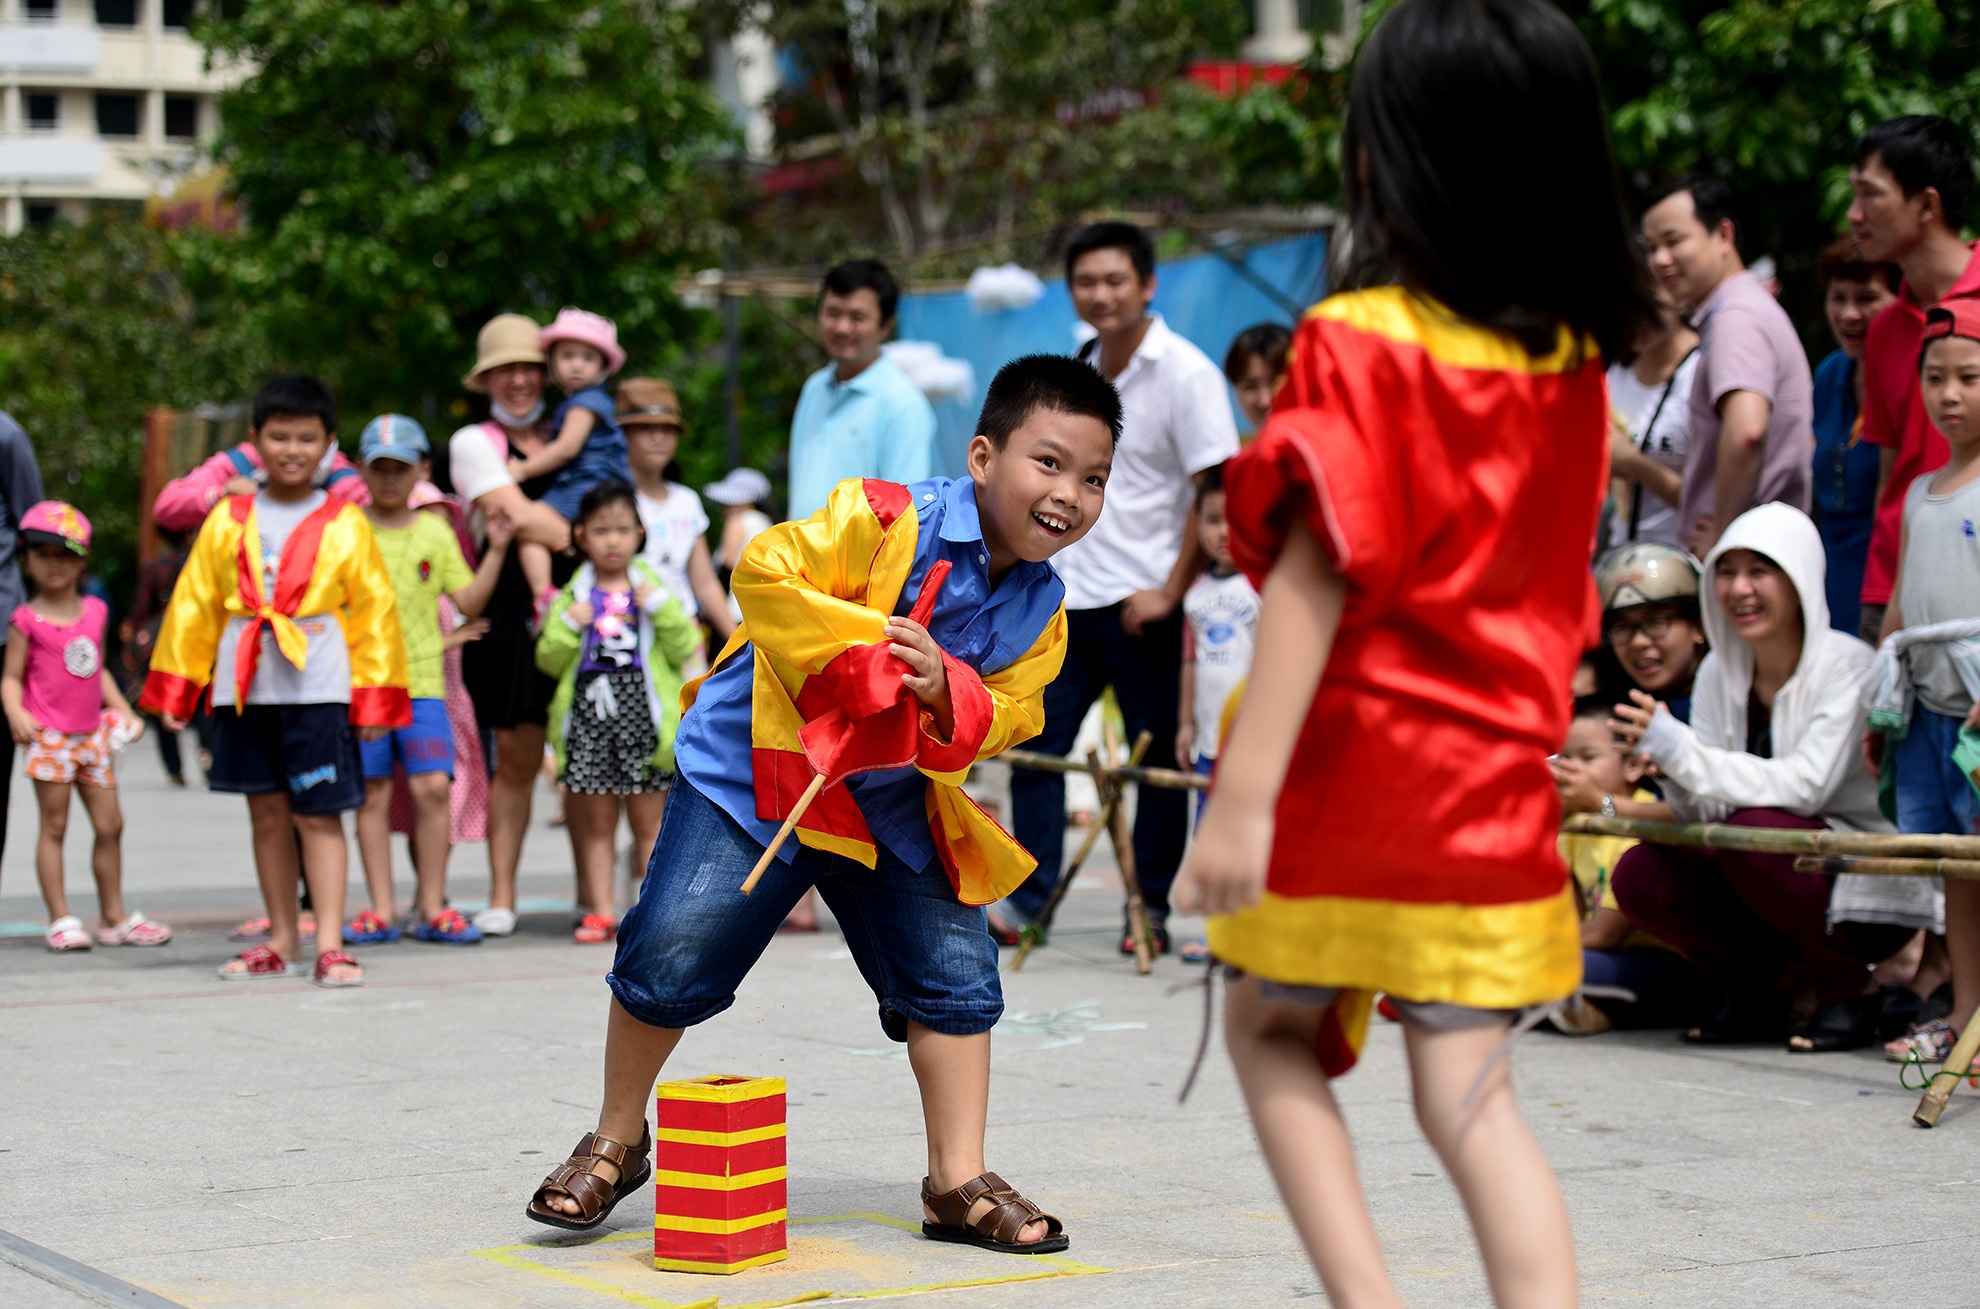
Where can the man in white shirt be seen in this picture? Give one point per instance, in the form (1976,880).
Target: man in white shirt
(1126,578)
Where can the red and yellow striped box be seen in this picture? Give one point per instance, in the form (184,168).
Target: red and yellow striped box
(718,1174)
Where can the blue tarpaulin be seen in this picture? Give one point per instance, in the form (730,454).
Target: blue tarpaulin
(1208,298)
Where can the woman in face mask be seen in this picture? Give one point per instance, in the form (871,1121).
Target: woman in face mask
(510,696)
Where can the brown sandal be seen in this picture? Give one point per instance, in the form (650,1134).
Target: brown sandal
(1001,1224)
(577,1177)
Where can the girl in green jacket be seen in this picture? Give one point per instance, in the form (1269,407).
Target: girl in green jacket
(616,641)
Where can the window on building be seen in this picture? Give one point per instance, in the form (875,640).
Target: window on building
(41,214)
(44,111)
(176,13)
(117,13)
(116,113)
(42,11)
(182,117)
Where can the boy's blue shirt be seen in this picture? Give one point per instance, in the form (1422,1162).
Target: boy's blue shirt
(987,627)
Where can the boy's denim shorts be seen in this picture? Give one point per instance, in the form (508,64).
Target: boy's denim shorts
(693,935)
(307,750)
(426,746)
(1933,795)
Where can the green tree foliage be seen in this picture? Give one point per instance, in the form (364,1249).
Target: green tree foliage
(96,326)
(411,167)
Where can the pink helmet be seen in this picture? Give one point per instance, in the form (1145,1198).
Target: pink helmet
(54,522)
(586,328)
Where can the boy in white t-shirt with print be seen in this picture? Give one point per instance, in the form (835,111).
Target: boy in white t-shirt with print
(1222,612)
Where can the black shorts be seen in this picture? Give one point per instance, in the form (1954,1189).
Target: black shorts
(307,750)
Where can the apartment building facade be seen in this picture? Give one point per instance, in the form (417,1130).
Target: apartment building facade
(101,102)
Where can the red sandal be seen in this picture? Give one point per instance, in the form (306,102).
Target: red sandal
(330,959)
(257,962)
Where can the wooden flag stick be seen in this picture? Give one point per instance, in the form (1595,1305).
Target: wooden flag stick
(1958,1064)
(1123,840)
(783,833)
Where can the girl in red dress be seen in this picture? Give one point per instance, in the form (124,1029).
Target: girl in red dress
(1419,513)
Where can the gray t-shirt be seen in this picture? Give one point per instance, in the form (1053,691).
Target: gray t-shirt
(1747,343)
(325,677)
(1940,583)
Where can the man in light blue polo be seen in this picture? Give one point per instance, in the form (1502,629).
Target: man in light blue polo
(860,415)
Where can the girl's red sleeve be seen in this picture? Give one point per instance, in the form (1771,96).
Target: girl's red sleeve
(1339,472)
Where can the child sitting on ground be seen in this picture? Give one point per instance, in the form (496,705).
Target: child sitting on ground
(1939,588)
(616,640)
(423,558)
(1615,954)
(54,689)
(1221,607)
(1254,366)
(285,608)
(904,860)
(589,447)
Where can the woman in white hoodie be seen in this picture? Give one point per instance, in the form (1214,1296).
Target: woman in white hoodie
(1777,713)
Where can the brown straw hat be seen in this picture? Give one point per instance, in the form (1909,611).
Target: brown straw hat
(504,339)
(649,400)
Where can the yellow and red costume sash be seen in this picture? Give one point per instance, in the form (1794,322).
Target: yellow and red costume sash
(330,565)
(815,596)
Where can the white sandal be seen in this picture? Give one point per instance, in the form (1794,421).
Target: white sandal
(66,933)
(135,930)
(496,922)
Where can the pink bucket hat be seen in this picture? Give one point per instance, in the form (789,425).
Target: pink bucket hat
(586,328)
(53,522)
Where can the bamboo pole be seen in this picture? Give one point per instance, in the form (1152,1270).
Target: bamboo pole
(1168,778)
(1774,840)
(1845,863)
(1958,1064)
(1110,799)
(1123,839)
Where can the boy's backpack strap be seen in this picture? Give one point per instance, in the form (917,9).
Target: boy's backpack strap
(336,475)
(243,466)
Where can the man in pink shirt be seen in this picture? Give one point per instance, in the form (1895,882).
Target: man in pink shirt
(1912,181)
(1753,398)
(186,501)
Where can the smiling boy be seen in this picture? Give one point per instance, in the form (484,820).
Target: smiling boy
(903,859)
(284,606)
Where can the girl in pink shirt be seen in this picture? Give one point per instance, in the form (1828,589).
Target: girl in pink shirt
(54,687)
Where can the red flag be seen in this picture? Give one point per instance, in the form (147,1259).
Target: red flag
(860,717)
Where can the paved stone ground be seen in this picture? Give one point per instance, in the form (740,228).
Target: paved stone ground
(277,1144)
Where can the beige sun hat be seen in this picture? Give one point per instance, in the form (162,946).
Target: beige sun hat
(504,339)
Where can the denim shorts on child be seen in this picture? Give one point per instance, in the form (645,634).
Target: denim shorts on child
(693,935)
(307,750)
(1933,795)
(427,746)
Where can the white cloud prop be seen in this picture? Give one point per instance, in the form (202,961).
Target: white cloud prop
(939,376)
(1005,286)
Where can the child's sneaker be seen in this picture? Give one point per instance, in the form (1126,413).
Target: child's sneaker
(596,929)
(66,933)
(449,928)
(135,930)
(494,921)
(369,929)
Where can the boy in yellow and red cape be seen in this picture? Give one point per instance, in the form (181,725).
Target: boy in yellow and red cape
(904,860)
(285,608)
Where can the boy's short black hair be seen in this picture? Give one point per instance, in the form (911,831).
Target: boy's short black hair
(294,395)
(1212,484)
(1598,706)
(1113,236)
(864,274)
(1057,382)
(1264,341)
(603,496)
(1922,150)
(1711,200)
